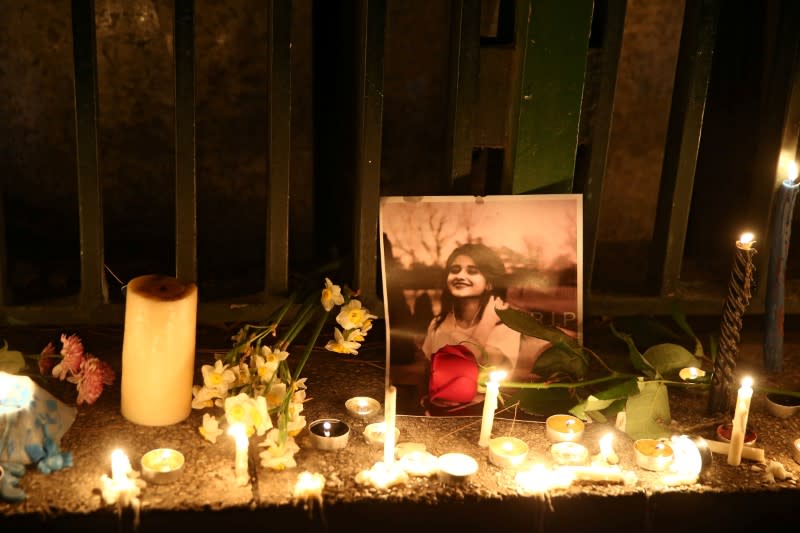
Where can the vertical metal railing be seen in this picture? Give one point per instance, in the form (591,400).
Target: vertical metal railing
(279,117)
(93,281)
(185,143)
(371,22)
(689,96)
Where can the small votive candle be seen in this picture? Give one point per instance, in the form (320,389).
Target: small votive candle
(362,407)
(162,465)
(329,434)
(569,453)
(653,454)
(691,373)
(375,434)
(564,428)
(240,467)
(456,468)
(507,452)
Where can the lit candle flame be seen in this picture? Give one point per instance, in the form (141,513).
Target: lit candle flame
(746,238)
(496,376)
(747,382)
(326,429)
(792,171)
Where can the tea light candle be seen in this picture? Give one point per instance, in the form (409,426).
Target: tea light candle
(507,452)
(162,465)
(743,398)
(691,373)
(490,406)
(375,434)
(158,348)
(686,465)
(569,453)
(362,407)
(419,463)
(329,434)
(564,428)
(653,454)
(456,468)
(239,435)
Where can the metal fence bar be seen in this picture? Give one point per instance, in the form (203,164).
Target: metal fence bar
(3,253)
(93,281)
(601,132)
(279,119)
(465,33)
(369,134)
(692,79)
(778,140)
(185,145)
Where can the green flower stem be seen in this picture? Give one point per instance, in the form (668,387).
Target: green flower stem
(771,390)
(300,321)
(323,317)
(567,385)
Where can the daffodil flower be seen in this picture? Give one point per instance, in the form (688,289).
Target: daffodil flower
(203,397)
(275,456)
(210,429)
(341,345)
(265,369)
(276,394)
(353,316)
(331,295)
(218,377)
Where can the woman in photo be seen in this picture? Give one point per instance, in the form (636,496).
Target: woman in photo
(468,334)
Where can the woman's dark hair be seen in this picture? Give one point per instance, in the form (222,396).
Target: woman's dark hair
(491,267)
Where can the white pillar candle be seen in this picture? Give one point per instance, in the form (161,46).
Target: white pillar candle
(242,446)
(490,406)
(748,452)
(743,398)
(390,408)
(158,350)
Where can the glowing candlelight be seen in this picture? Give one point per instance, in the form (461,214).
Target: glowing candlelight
(162,465)
(569,453)
(123,487)
(750,453)
(653,454)
(563,428)
(507,452)
(362,407)
(490,406)
(308,487)
(745,394)
(539,479)
(686,465)
(390,418)
(607,453)
(796,450)
(237,431)
(691,373)
(329,434)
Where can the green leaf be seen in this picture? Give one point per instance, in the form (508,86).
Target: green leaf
(638,362)
(527,324)
(544,402)
(10,361)
(647,413)
(560,359)
(620,390)
(680,319)
(666,358)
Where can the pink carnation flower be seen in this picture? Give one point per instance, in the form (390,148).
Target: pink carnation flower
(72,351)
(93,374)
(47,360)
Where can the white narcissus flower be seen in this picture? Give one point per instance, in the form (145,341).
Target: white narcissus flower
(265,369)
(353,316)
(331,295)
(203,397)
(250,412)
(278,457)
(276,394)
(273,356)
(341,345)
(210,429)
(218,377)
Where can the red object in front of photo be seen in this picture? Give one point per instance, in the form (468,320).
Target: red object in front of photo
(454,375)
